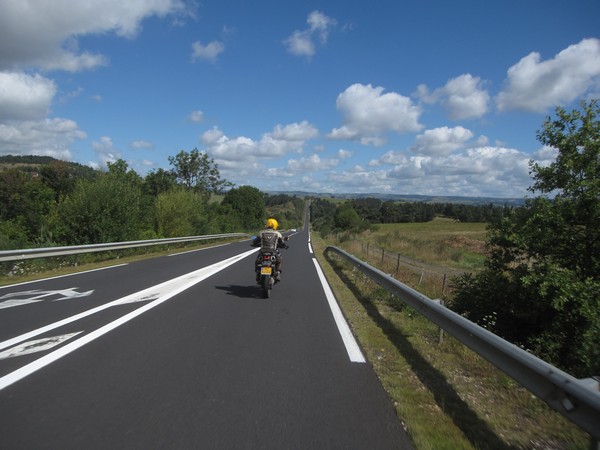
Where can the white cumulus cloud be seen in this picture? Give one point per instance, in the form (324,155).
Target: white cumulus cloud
(49,137)
(36,33)
(24,97)
(106,152)
(535,85)
(464,97)
(441,141)
(369,113)
(302,42)
(241,157)
(208,52)
(196,116)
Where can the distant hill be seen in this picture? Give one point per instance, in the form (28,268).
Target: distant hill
(412,198)
(32,163)
(10,161)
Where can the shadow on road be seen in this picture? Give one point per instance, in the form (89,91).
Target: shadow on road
(253,291)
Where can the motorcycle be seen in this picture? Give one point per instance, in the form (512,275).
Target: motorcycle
(266,264)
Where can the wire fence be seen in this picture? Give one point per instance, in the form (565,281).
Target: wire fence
(432,280)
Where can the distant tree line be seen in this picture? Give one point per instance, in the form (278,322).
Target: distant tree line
(47,202)
(358,214)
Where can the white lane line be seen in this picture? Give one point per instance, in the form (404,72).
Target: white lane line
(177,286)
(198,249)
(148,294)
(351,345)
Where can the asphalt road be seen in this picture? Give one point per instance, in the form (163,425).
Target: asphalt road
(182,352)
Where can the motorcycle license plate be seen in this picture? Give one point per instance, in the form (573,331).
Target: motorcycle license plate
(265,271)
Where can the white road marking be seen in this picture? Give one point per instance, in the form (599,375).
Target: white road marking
(351,345)
(38,295)
(198,249)
(167,290)
(13,303)
(39,345)
(148,294)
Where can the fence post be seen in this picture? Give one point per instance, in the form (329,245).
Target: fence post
(398,264)
(382,255)
(444,287)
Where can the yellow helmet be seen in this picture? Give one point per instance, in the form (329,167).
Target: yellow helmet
(272,223)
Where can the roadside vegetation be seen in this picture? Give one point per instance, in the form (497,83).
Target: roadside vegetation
(533,278)
(45,203)
(446,396)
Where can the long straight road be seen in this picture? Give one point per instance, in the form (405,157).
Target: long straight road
(182,352)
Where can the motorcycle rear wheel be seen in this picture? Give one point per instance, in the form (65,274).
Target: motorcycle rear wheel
(266,285)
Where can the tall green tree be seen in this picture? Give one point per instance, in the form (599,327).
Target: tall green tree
(108,209)
(542,278)
(346,218)
(179,213)
(248,205)
(196,171)
(158,181)
(26,202)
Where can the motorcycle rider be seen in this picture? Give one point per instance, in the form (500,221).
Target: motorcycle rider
(270,239)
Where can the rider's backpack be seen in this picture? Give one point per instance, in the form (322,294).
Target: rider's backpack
(268,241)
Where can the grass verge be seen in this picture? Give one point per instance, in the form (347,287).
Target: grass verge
(446,396)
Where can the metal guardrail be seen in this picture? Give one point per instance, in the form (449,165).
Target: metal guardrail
(31,253)
(575,399)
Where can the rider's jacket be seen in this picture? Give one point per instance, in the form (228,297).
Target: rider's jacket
(269,239)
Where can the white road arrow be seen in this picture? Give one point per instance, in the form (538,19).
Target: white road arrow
(37,295)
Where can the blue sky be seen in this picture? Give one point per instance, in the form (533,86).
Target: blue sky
(424,97)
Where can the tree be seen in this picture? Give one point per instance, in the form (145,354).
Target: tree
(346,218)
(179,213)
(196,171)
(26,202)
(542,278)
(158,181)
(368,208)
(107,209)
(120,170)
(247,203)
(60,177)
